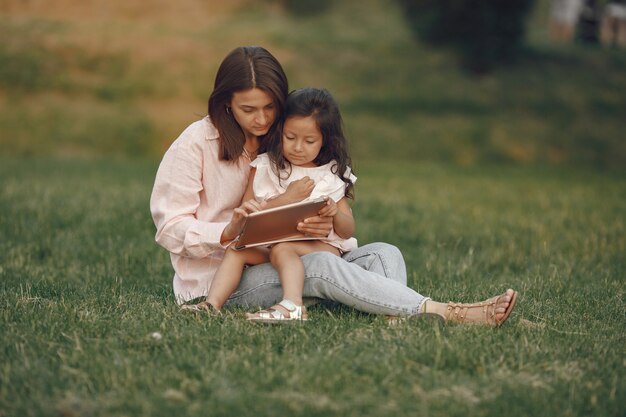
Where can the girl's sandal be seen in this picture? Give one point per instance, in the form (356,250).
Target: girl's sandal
(202,306)
(479,313)
(291,313)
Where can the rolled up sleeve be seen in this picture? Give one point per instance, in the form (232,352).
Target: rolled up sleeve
(176,198)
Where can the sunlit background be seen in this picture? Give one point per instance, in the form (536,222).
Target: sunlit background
(460,82)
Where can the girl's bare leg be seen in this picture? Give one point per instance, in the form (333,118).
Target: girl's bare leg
(285,257)
(228,275)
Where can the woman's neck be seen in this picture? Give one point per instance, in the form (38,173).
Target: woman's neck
(251,147)
(251,144)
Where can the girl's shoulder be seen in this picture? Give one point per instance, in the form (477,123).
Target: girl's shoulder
(331,169)
(261,161)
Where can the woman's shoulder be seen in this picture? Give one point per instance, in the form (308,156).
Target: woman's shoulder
(199,138)
(199,133)
(202,129)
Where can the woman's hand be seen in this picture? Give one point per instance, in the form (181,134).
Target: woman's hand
(234,228)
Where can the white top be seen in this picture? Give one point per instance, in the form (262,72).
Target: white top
(267,185)
(192,201)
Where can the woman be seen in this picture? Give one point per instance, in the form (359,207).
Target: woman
(202,179)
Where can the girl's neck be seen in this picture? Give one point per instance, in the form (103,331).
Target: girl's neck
(309,165)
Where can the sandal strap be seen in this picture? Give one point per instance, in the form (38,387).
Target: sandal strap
(271,313)
(458,311)
(293,312)
(289,305)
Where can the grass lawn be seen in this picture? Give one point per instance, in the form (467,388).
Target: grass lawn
(84,286)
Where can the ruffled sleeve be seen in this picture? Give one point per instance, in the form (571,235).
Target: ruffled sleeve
(266,184)
(331,185)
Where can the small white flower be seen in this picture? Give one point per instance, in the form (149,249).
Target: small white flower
(156,335)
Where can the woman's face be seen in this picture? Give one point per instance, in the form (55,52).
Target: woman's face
(254,110)
(302,140)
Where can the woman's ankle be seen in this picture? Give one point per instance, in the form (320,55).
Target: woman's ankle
(433,307)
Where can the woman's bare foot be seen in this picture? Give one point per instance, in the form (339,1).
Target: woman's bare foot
(492,312)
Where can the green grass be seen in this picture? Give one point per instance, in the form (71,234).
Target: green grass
(83,287)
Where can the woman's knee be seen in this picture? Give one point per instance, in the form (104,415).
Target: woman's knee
(386,250)
(321,261)
(392,262)
(380,258)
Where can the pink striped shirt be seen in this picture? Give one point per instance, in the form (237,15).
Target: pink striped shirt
(192,201)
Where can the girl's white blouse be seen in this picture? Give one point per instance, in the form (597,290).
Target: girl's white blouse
(267,184)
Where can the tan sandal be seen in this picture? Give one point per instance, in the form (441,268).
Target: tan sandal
(479,313)
(273,315)
(202,306)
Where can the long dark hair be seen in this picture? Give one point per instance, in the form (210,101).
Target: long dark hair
(319,104)
(244,68)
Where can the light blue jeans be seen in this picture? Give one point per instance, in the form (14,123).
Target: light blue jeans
(371,279)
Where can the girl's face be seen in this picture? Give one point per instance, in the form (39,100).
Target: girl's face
(302,140)
(254,110)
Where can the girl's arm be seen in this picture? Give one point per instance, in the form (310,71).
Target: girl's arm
(343,221)
(296,191)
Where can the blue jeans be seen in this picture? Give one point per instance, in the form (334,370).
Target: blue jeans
(371,279)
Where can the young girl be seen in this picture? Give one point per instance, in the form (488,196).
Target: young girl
(309,161)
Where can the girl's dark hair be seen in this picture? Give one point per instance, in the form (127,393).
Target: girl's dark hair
(319,104)
(244,68)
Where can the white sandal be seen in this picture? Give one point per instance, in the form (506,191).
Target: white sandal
(275,316)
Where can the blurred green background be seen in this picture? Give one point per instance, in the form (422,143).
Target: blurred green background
(124,78)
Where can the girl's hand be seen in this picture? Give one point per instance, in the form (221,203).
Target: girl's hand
(299,190)
(330,209)
(317,226)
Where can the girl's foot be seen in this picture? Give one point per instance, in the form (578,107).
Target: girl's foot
(284,311)
(492,312)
